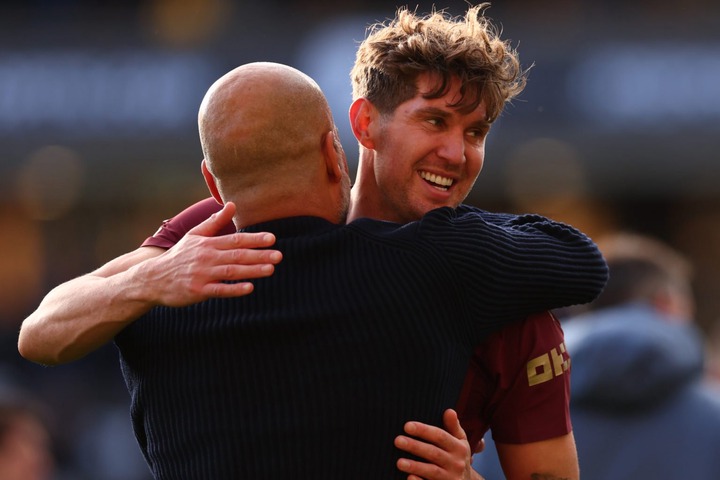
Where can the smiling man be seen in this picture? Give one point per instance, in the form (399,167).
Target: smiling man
(423,154)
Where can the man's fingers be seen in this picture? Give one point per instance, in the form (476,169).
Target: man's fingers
(431,434)
(216,222)
(226,290)
(420,470)
(420,449)
(241,272)
(452,424)
(241,240)
(447,453)
(250,240)
(237,248)
(225,273)
(243,256)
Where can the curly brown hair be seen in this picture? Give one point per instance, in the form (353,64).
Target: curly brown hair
(393,55)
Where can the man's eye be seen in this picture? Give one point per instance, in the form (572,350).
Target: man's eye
(434,121)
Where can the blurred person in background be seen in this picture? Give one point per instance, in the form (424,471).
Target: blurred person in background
(641,407)
(26,451)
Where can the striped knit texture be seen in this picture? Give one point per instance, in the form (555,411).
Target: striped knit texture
(361,328)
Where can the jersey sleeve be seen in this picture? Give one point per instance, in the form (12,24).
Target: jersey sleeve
(518,384)
(173,229)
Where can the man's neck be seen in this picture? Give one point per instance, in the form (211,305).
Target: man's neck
(365,194)
(278,207)
(365,205)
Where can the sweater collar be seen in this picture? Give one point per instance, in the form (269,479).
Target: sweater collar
(291,226)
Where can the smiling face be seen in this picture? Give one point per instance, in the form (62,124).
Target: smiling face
(426,154)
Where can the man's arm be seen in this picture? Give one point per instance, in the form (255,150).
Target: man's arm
(510,266)
(553,459)
(525,400)
(83,314)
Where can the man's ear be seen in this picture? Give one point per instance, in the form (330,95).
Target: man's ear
(210,181)
(334,156)
(362,114)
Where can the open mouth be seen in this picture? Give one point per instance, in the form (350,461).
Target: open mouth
(437,181)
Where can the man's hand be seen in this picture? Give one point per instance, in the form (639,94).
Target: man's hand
(447,452)
(84,313)
(199,266)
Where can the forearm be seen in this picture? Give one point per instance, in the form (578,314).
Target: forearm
(81,315)
(553,459)
(524,264)
(550,260)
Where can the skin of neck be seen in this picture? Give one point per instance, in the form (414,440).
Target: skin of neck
(365,194)
(260,207)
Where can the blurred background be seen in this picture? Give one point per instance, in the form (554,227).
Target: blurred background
(619,128)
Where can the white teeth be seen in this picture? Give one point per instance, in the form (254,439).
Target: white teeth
(441,182)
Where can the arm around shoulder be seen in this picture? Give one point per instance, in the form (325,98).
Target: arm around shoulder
(524,263)
(84,313)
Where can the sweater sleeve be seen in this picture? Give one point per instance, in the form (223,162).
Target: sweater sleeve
(522,263)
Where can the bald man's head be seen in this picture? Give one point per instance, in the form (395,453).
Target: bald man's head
(262,122)
(271,146)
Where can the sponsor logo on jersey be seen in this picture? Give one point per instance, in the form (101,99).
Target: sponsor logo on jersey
(548,365)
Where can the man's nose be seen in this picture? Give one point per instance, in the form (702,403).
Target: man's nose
(452,148)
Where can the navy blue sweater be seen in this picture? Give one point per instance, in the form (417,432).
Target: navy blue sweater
(361,328)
